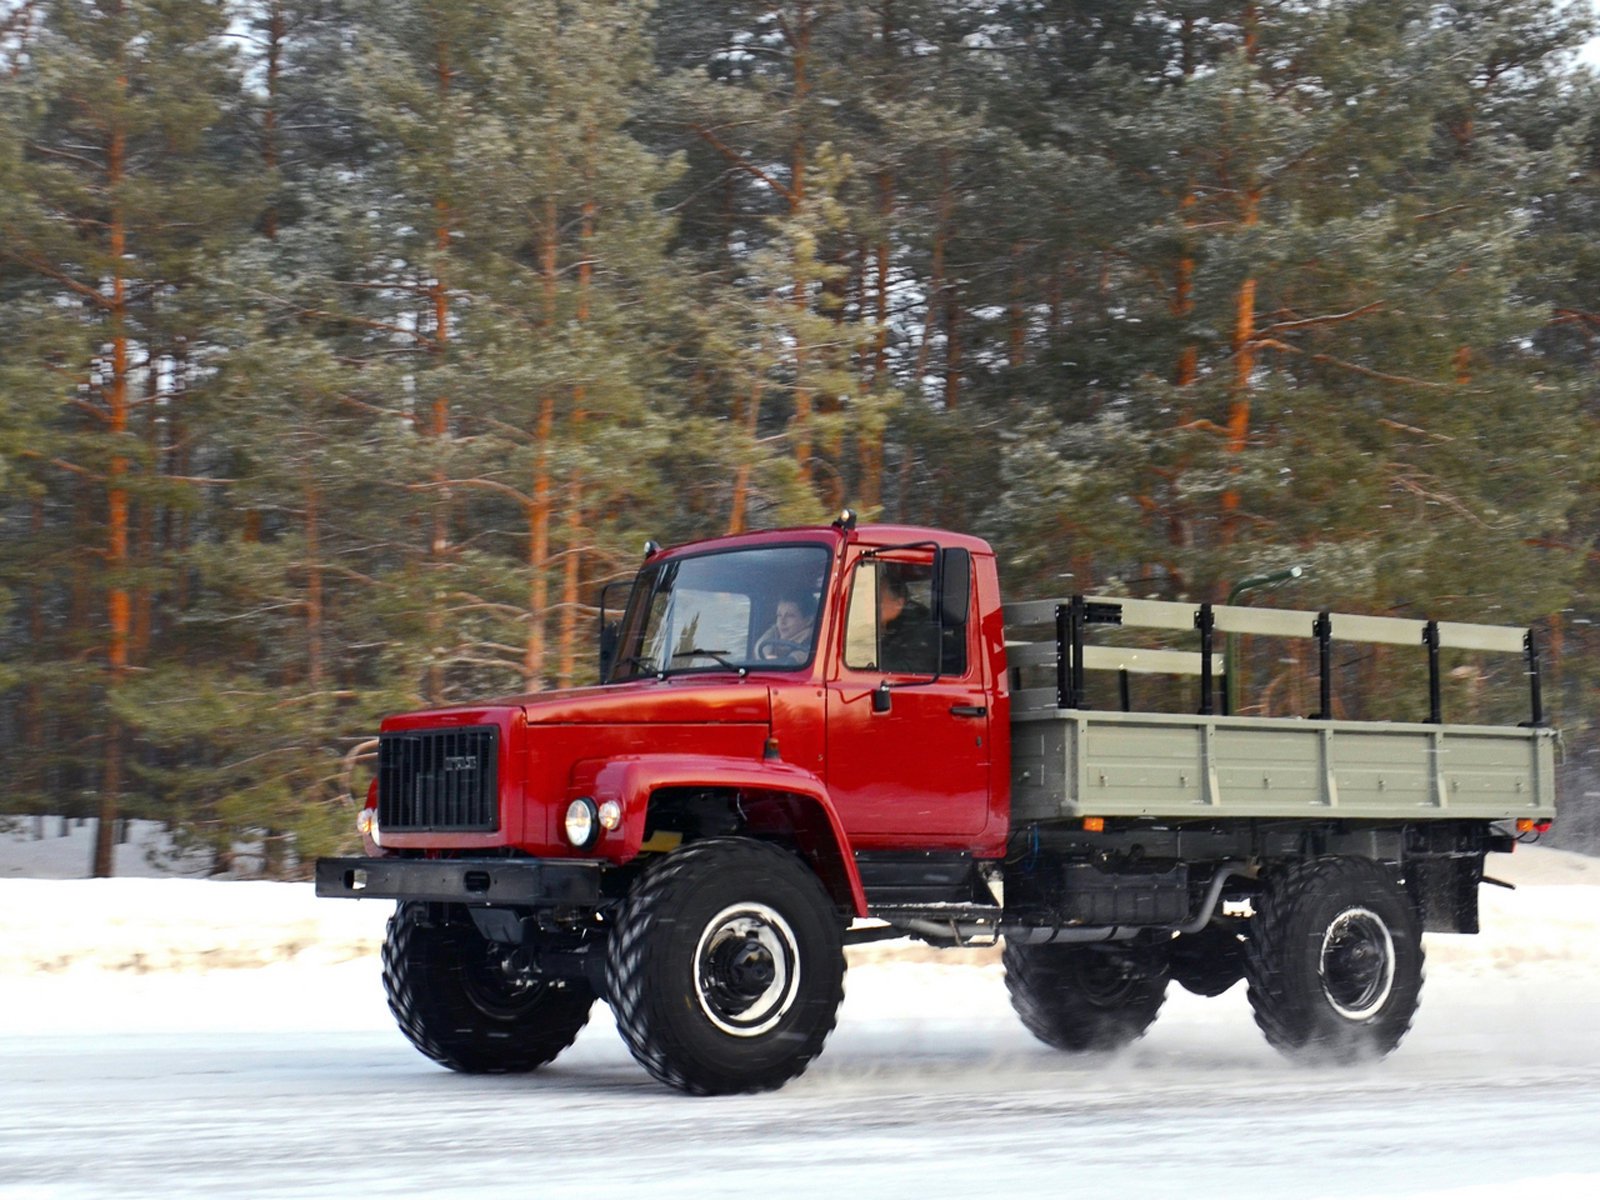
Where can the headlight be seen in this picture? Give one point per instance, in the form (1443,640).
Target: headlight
(582,823)
(610,814)
(367,823)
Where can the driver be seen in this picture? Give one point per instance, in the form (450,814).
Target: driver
(789,638)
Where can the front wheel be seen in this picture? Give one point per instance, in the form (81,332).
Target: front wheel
(1334,961)
(456,999)
(1086,997)
(726,968)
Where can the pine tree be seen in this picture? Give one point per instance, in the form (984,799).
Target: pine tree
(766,105)
(568,250)
(123,109)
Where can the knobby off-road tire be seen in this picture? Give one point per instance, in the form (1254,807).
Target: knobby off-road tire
(1086,997)
(1207,963)
(726,968)
(1334,961)
(454,1003)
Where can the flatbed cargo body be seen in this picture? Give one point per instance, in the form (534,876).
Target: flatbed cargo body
(1068,764)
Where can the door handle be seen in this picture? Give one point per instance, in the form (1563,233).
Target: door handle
(968,710)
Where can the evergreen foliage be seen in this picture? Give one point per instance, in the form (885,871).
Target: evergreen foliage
(349,347)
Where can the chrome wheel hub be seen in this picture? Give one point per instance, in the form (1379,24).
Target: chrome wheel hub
(1357,963)
(746,969)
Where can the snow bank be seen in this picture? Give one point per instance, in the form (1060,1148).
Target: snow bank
(63,848)
(143,925)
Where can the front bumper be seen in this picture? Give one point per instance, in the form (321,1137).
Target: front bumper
(531,882)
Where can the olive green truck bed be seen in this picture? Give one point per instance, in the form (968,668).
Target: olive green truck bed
(1069,762)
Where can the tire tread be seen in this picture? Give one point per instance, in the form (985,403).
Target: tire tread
(1046,996)
(1285,1020)
(628,968)
(425,998)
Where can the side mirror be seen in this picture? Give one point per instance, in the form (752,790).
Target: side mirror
(953,587)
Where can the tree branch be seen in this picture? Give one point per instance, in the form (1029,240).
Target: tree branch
(743,163)
(1368,372)
(1441,437)
(487,485)
(1315,322)
(65,280)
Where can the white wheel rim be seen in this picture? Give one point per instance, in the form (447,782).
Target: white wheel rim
(1356,964)
(746,969)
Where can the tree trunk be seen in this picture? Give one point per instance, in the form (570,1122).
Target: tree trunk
(936,270)
(533,660)
(33,775)
(572,567)
(953,348)
(1183,284)
(276,33)
(801,421)
(144,526)
(439,295)
(747,414)
(870,440)
(1182,307)
(180,540)
(117,604)
(313,500)
(1016,312)
(1244,364)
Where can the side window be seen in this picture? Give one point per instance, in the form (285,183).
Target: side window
(861,621)
(891,627)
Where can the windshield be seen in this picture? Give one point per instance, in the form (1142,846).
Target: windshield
(737,609)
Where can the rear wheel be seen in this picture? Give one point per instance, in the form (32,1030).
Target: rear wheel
(458,1001)
(726,968)
(1086,997)
(1334,961)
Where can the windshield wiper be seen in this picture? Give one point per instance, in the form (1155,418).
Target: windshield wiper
(719,656)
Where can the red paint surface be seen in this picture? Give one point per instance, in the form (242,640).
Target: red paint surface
(915,777)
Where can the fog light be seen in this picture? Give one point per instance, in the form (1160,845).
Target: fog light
(610,814)
(582,823)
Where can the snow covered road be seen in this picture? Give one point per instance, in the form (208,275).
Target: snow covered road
(289,1080)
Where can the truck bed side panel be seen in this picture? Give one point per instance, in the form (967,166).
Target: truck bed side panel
(1070,764)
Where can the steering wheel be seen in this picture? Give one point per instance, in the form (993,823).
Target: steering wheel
(777,648)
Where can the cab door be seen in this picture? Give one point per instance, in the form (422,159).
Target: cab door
(917,768)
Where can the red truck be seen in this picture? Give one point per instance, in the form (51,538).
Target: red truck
(812,737)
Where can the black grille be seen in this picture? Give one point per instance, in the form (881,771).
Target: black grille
(439,780)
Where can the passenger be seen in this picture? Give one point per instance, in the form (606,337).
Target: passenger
(788,640)
(905,629)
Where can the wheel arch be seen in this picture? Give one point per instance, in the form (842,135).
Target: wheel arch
(771,801)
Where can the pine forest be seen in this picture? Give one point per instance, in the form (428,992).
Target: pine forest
(350,347)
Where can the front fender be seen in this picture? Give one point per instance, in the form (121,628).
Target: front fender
(776,797)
